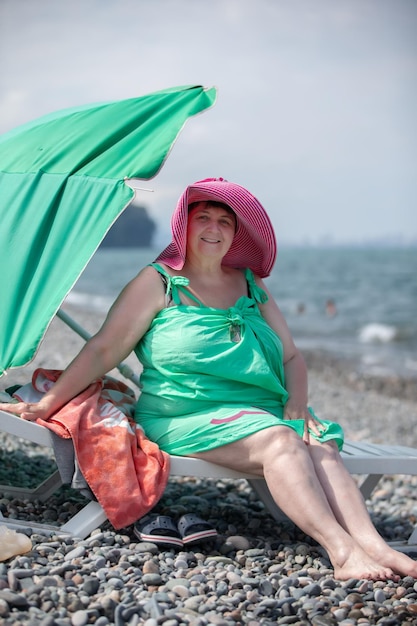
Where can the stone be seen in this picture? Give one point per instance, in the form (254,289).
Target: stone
(13,543)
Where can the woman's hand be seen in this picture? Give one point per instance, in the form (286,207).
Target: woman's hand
(30,411)
(295,411)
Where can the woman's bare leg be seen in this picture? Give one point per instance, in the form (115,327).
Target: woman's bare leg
(284,460)
(349,508)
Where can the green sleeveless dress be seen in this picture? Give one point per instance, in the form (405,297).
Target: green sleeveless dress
(212,376)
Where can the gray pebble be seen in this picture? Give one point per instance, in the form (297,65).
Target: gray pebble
(13,599)
(379,596)
(152,579)
(79,618)
(116,583)
(238,542)
(75,554)
(4,608)
(91,586)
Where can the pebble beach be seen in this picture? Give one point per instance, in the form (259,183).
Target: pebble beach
(256,572)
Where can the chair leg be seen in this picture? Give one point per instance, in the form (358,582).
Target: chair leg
(42,492)
(85,521)
(369,483)
(412,540)
(261,488)
(22,525)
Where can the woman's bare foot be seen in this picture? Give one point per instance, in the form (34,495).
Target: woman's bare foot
(356,563)
(399,562)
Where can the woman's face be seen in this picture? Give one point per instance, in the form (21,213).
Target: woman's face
(210,230)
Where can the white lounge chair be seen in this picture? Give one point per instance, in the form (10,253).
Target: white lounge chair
(370,460)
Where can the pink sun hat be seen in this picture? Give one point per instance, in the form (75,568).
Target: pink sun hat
(254,244)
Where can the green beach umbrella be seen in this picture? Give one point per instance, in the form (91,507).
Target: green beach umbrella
(62,186)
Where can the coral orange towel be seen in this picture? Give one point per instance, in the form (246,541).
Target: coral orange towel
(124,469)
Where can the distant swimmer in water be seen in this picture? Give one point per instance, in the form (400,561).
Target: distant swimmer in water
(331,310)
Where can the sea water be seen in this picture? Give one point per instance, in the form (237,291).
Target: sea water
(373,290)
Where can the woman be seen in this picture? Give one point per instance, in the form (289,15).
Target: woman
(222,378)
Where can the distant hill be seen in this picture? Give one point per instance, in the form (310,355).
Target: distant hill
(133,229)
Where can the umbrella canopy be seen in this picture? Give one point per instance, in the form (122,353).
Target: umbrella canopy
(62,187)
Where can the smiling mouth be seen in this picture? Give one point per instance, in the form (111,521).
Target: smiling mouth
(210,240)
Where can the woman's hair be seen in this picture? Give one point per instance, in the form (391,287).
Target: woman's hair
(213,203)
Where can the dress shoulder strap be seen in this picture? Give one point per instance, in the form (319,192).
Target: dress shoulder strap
(255,292)
(174,284)
(160,269)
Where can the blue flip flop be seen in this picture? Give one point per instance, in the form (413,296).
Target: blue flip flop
(193,529)
(158,529)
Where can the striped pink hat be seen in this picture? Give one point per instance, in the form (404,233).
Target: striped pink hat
(254,244)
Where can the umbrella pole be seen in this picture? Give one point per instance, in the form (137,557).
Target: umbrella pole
(123,368)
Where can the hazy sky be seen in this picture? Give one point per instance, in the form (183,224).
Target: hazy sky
(316,108)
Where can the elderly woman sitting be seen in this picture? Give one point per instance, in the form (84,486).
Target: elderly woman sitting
(222,379)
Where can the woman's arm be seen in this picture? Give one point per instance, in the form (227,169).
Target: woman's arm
(127,321)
